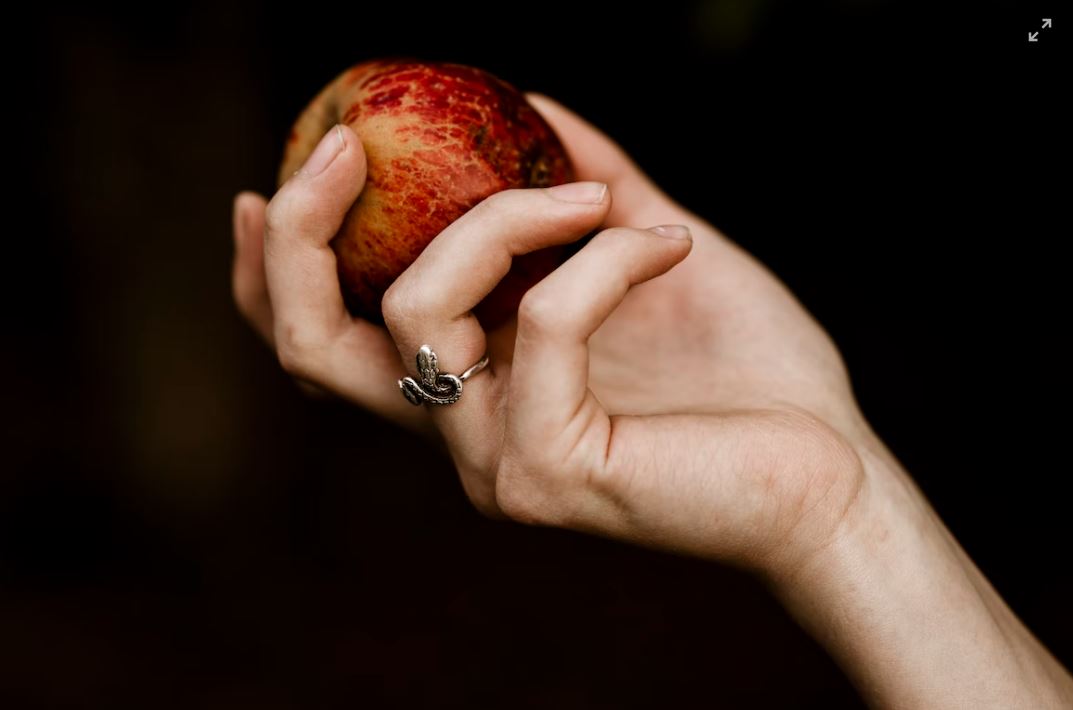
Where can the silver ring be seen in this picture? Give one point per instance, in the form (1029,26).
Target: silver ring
(436,387)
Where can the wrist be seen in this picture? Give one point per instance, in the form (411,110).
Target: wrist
(901,607)
(887,508)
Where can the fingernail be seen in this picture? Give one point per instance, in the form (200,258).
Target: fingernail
(330,146)
(589,193)
(671,231)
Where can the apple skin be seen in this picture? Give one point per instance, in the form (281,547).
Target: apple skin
(438,138)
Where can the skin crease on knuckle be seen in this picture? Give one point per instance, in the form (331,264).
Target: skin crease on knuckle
(294,205)
(298,350)
(503,205)
(404,307)
(391,306)
(502,201)
(276,216)
(538,312)
(528,211)
(543,311)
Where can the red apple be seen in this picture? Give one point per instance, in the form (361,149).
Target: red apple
(438,139)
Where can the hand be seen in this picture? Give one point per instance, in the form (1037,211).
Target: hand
(716,361)
(662,390)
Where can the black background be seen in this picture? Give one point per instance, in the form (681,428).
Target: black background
(179,527)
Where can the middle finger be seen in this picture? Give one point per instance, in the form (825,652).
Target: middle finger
(431,303)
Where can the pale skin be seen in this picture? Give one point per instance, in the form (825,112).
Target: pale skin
(660,387)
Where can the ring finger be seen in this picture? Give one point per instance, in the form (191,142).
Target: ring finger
(431,303)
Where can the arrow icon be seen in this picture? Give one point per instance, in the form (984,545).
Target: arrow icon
(1046,22)
(1032,36)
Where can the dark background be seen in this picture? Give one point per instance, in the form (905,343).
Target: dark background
(180,527)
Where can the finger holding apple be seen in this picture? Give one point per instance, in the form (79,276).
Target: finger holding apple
(438,138)
(285,283)
(534,410)
(433,301)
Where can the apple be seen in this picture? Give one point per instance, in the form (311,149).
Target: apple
(438,139)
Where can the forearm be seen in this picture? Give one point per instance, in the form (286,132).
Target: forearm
(909,617)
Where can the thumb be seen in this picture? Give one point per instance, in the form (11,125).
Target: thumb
(596,157)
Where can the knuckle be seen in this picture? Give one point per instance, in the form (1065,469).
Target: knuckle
(275,214)
(397,304)
(289,360)
(498,201)
(292,362)
(404,304)
(613,236)
(298,351)
(539,311)
(494,207)
(291,207)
